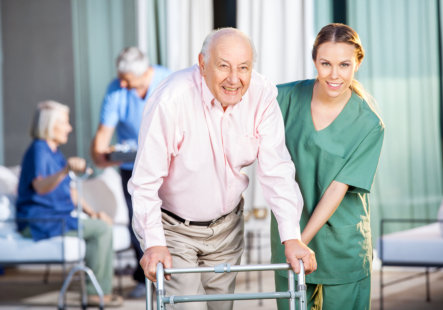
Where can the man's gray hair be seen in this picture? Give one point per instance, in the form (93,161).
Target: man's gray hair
(217,32)
(44,119)
(132,60)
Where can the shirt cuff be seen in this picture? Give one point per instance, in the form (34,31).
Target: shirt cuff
(153,237)
(289,233)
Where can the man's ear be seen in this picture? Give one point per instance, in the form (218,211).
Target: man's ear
(201,63)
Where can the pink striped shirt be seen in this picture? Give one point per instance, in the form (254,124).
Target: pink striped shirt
(191,154)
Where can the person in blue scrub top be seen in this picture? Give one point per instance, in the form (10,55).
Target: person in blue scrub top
(44,192)
(122,111)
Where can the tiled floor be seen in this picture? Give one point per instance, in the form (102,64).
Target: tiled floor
(23,289)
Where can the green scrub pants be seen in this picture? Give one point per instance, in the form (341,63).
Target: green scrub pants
(355,295)
(99,253)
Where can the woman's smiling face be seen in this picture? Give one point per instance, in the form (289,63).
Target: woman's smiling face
(336,64)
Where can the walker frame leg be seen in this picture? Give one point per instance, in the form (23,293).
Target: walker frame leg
(149,298)
(67,282)
(81,265)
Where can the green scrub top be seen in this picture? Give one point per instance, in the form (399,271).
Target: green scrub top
(347,151)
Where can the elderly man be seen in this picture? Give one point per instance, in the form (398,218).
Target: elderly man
(122,109)
(200,129)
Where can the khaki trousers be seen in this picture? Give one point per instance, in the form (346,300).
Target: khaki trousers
(197,246)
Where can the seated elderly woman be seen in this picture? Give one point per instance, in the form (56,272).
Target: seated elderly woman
(44,192)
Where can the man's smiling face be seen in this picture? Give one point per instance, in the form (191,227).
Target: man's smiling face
(228,69)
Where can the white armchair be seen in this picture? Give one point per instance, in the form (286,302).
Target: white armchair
(421,246)
(103,192)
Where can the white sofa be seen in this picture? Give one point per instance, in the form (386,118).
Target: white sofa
(416,247)
(103,192)
(421,246)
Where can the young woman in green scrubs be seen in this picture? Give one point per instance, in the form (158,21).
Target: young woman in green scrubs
(334,137)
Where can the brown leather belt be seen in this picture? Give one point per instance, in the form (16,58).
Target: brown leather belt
(196,223)
(238,208)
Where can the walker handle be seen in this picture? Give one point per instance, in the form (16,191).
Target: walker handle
(81,176)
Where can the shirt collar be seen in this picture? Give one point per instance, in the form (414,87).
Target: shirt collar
(208,97)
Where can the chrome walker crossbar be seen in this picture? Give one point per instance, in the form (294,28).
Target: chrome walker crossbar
(296,291)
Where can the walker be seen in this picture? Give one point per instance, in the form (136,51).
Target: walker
(294,292)
(78,179)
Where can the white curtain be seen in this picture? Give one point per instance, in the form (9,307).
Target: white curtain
(282,31)
(172,31)
(283,34)
(187,24)
(401,71)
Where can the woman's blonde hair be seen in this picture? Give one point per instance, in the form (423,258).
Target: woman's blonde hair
(44,119)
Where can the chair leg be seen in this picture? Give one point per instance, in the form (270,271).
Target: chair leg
(46,274)
(120,273)
(381,287)
(84,295)
(428,286)
(260,279)
(249,247)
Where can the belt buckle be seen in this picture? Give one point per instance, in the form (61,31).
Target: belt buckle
(213,221)
(218,219)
